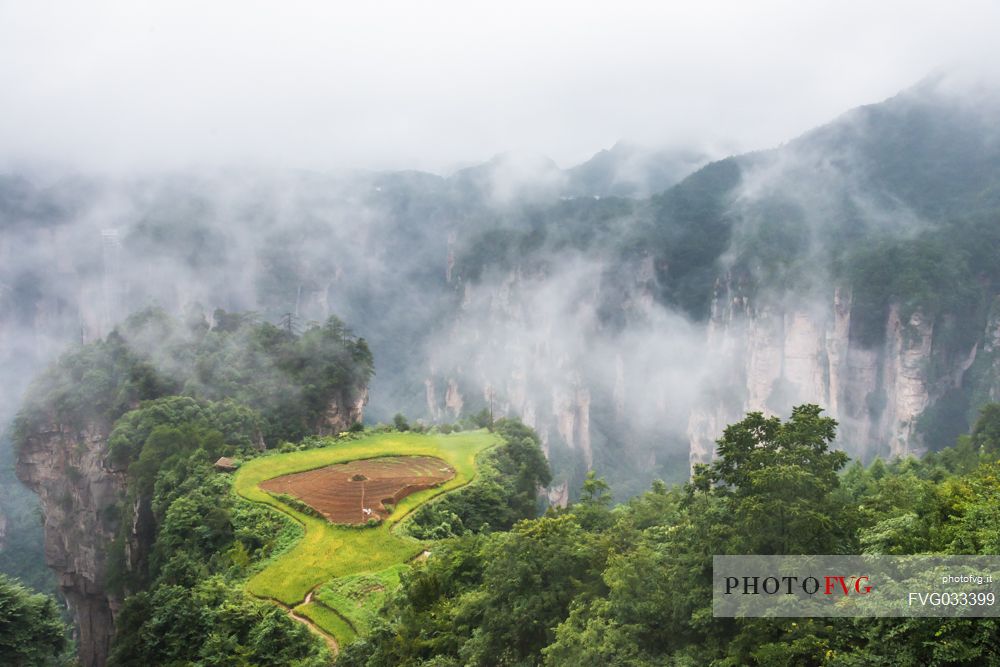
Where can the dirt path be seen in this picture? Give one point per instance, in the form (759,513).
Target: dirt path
(331,643)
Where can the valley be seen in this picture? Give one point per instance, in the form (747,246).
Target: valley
(503,414)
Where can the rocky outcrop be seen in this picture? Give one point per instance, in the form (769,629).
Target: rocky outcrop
(506,352)
(571,411)
(342,412)
(558,494)
(533,346)
(453,399)
(789,354)
(905,380)
(79,496)
(987,363)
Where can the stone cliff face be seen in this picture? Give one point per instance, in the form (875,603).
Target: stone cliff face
(786,355)
(343,412)
(80,498)
(503,355)
(555,365)
(987,363)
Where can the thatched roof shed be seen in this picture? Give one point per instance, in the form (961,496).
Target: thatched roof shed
(226,464)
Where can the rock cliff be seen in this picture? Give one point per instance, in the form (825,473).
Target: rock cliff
(573,377)
(783,355)
(986,365)
(344,412)
(505,353)
(80,498)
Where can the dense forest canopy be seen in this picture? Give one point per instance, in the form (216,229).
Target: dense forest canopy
(290,378)
(31,631)
(624,585)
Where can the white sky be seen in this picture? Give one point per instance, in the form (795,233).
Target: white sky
(430,84)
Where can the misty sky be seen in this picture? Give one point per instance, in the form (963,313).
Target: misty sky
(433,85)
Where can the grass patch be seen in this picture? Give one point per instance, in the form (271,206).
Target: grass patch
(327,551)
(330,621)
(359,597)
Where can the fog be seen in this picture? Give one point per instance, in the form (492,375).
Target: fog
(395,85)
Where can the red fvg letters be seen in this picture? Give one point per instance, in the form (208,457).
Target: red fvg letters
(830,581)
(846,587)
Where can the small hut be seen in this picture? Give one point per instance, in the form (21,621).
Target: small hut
(226,464)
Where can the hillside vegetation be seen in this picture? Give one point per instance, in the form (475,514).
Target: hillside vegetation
(630,585)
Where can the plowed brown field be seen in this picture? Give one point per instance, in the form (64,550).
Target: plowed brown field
(354,492)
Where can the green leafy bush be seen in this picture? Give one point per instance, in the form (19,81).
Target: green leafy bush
(31,631)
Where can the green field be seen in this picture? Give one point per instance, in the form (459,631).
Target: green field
(333,623)
(358,597)
(327,551)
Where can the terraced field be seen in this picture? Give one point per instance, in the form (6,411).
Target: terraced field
(329,558)
(360,491)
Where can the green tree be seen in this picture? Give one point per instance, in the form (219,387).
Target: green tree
(594,509)
(531,576)
(399,422)
(31,632)
(778,478)
(986,432)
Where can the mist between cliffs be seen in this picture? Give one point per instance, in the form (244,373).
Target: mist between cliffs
(628,330)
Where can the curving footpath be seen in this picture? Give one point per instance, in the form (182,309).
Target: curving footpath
(328,639)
